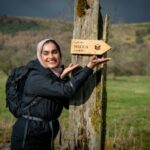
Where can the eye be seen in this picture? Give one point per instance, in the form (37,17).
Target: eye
(55,51)
(45,52)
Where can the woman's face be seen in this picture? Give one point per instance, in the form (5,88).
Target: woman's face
(50,55)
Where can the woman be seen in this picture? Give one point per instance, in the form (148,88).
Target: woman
(47,90)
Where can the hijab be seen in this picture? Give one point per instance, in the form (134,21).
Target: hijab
(57,71)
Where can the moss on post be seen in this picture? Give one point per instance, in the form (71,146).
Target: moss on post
(96,117)
(81,7)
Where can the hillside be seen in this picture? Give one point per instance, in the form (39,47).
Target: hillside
(131,47)
(19,36)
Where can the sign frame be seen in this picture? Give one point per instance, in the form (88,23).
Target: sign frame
(92,47)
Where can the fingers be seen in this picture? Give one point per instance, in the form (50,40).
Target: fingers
(92,58)
(67,70)
(73,65)
(70,65)
(101,60)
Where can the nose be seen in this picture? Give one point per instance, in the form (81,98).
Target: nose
(50,56)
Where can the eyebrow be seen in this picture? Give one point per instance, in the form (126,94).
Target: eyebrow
(50,50)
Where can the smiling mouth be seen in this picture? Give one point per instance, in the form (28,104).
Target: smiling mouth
(52,61)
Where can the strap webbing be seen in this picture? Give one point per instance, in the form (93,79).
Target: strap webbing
(52,139)
(32,118)
(37,119)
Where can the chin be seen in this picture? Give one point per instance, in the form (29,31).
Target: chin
(53,66)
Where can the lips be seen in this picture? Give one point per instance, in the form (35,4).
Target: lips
(52,61)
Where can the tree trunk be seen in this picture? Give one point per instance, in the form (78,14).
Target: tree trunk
(87,108)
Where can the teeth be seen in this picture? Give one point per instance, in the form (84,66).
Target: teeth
(52,61)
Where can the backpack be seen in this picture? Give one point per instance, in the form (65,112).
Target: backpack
(14,89)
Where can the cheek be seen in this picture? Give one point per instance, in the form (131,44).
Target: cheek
(58,57)
(43,57)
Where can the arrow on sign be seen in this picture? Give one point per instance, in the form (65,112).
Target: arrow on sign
(97,47)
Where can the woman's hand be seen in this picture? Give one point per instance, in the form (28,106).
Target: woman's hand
(68,70)
(94,61)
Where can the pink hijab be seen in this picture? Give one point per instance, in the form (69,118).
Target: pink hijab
(57,71)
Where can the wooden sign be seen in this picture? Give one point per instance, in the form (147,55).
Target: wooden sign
(97,47)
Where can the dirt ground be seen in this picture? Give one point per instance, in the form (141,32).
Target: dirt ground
(5,147)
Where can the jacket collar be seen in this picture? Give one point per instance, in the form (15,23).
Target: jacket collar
(35,64)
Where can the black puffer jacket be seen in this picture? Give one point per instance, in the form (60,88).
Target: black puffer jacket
(43,86)
(50,94)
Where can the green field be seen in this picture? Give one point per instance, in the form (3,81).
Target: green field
(6,119)
(3,111)
(128,113)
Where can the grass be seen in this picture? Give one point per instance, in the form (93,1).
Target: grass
(7,119)
(3,111)
(128,122)
(128,110)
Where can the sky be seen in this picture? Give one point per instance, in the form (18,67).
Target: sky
(124,11)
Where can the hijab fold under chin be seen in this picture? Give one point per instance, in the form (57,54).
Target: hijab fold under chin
(57,71)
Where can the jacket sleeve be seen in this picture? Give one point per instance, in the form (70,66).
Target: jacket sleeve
(40,85)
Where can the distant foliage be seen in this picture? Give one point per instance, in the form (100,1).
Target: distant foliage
(130,43)
(140,34)
(19,46)
(11,25)
(131,49)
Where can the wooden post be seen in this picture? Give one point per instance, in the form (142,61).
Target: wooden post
(103,86)
(87,108)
